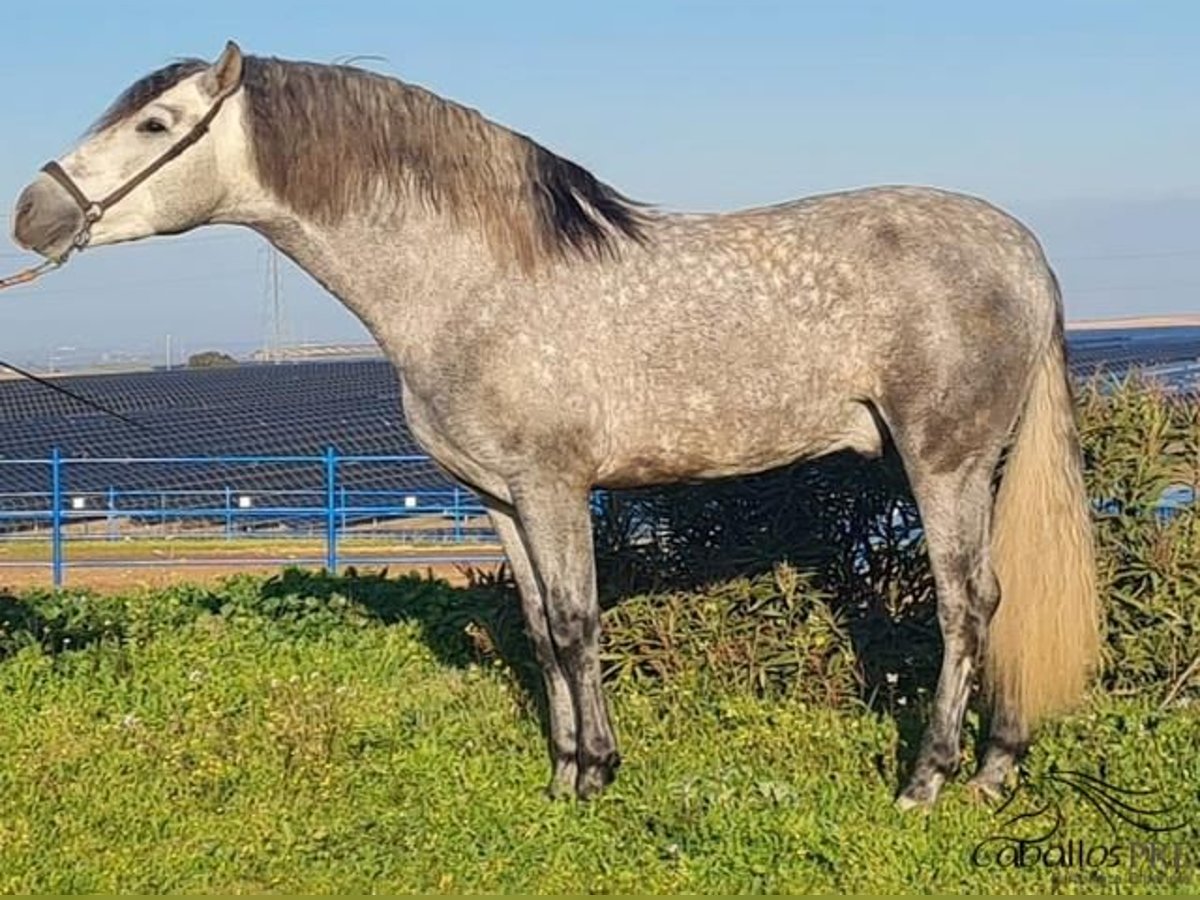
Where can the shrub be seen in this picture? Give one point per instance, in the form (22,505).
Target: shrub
(211,359)
(1139,443)
(852,528)
(766,634)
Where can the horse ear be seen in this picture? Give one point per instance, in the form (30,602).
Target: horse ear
(224,76)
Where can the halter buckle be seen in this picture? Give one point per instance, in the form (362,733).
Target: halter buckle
(82,238)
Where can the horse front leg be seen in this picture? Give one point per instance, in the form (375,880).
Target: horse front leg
(560,704)
(555,523)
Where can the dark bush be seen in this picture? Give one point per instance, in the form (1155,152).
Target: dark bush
(211,359)
(702,559)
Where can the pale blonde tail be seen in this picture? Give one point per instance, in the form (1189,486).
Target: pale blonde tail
(1045,638)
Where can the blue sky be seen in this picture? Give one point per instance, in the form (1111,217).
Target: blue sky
(1080,117)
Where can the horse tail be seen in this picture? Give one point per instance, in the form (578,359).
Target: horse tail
(1044,639)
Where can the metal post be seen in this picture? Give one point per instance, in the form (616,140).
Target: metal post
(112,513)
(342,492)
(228,512)
(56,517)
(331,510)
(458,524)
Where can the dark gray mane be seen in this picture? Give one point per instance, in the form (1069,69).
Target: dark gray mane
(328,139)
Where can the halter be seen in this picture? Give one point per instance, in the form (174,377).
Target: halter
(94,210)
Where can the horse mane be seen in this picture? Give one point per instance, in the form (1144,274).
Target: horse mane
(332,140)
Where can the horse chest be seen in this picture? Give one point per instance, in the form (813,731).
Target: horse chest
(456,450)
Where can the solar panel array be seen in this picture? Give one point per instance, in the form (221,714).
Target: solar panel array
(282,410)
(298,408)
(303,408)
(1171,354)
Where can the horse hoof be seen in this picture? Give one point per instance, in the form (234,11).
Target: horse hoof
(595,777)
(985,788)
(996,772)
(556,790)
(921,793)
(905,803)
(562,782)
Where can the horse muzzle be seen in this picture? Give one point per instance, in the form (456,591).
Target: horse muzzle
(47,220)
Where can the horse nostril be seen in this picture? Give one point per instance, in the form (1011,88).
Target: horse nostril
(24,207)
(25,221)
(42,219)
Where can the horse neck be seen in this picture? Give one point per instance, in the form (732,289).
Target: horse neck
(405,278)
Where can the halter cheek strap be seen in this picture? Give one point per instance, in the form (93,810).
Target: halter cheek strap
(94,210)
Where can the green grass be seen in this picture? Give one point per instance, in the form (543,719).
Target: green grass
(251,738)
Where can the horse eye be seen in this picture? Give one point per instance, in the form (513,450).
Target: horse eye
(152,126)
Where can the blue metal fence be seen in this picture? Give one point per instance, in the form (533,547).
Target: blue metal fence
(316,501)
(423,517)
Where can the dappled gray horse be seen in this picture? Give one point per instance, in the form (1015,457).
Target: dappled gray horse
(552,336)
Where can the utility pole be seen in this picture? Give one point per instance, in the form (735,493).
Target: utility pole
(276,311)
(276,328)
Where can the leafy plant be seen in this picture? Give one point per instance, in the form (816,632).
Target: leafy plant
(852,529)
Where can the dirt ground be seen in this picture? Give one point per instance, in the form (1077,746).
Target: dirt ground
(113,577)
(133,563)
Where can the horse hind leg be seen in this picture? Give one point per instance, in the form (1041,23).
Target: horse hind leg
(1008,739)
(955,509)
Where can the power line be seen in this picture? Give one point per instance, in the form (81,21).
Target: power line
(273,309)
(1150,255)
(202,239)
(276,312)
(1088,257)
(146,282)
(1116,289)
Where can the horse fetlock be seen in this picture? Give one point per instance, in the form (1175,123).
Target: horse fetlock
(939,753)
(563,779)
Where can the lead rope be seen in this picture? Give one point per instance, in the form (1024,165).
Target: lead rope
(78,398)
(27,275)
(24,277)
